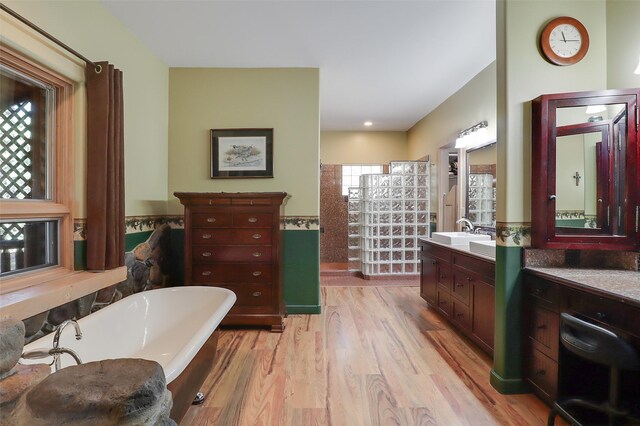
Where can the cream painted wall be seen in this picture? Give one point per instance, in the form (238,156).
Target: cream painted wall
(623,43)
(474,102)
(523,75)
(363,147)
(91,30)
(286,99)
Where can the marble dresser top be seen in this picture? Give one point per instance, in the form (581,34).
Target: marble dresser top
(624,285)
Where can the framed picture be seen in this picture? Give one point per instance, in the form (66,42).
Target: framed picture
(241,153)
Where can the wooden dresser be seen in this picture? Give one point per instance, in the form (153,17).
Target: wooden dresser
(233,240)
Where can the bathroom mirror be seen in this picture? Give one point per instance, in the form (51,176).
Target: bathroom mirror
(481,185)
(585,170)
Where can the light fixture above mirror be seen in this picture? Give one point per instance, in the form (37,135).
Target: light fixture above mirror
(473,136)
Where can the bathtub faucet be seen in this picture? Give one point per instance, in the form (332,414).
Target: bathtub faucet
(467,223)
(56,342)
(55,353)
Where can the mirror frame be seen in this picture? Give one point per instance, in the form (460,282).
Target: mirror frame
(543,150)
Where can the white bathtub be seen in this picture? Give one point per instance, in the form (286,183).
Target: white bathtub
(167,325)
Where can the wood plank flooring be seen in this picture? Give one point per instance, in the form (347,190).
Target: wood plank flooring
(375,356)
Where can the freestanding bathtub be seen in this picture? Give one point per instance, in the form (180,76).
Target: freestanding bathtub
(173,326)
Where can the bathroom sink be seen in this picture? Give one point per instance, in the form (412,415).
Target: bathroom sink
(485,248)
(457,238)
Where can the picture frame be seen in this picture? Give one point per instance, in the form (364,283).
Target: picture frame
(241,153)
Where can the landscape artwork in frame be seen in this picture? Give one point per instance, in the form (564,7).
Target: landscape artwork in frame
(241,153)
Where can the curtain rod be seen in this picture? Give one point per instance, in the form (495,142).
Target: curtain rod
(98,68)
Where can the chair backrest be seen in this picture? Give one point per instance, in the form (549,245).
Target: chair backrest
(597,344)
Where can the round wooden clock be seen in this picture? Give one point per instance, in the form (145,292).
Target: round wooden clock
(564,41)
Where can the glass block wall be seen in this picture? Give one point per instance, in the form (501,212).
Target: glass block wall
(482,207)
(387,215)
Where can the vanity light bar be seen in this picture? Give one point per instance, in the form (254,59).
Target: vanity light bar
(465,136)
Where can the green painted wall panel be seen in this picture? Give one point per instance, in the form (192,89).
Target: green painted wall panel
(301,259)
(130,242)
(506,375)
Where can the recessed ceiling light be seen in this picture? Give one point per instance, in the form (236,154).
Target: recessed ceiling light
(368,123)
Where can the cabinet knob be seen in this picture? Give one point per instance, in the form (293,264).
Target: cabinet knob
(206,236)
(253,219)
(257,273)
(541,326)
(256,236)
(206,254)
(601,316)
(541,372)
(433,262)
(256,294)
(459,285)
(443,302)
(206,273)
(257,254)
(552,197)
(459,315)
(537,291)
(211,219)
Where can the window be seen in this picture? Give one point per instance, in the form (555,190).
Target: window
(35,167)
(351,174)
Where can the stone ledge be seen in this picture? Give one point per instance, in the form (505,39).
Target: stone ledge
(59,289)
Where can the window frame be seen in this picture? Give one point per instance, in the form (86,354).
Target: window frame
(60,206)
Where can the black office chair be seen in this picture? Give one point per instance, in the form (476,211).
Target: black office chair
(601,346)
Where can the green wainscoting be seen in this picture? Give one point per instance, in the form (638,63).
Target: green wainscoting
(302,271)
(130,241)
(506,375)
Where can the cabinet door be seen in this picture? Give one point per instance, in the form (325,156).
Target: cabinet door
(429,278)
(483,316)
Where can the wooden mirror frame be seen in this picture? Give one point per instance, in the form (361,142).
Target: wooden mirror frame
(543,150)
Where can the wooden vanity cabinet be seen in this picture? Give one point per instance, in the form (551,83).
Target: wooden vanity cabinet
(461,288)
(545,299)
(233,240)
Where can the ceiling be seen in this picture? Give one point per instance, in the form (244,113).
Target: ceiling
(390,62)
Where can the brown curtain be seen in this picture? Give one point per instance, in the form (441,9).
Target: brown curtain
(105,168)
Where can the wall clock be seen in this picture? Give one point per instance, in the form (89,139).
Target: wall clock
(564,41)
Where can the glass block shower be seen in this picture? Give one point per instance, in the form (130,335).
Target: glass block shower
(387,215)
(482,200)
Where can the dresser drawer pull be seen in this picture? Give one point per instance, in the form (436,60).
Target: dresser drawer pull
(443,302)
(601,316)
(537,291)
(256,294)
(206,236)
(253,219)
(257,254)
(256,236)
(211,219)
(459,315)
(541,372)
(541,326)
(206,273)
(257,273)
(460,285)
(207,254)
(433,262)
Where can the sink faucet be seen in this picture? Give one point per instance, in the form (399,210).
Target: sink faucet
(56,351)
(467,223)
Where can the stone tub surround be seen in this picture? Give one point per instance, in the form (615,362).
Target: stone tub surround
(621,285)
(588,259)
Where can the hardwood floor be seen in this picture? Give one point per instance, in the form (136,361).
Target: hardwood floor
(375,356)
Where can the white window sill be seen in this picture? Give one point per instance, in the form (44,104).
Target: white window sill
(57,289)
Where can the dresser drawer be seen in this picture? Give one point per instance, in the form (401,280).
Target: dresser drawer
(544,331)
(206,254)
(229,273)
(252,220)
(231,236)
(251,295)
(460,314)
(211,220)
(542,291)
(542,372)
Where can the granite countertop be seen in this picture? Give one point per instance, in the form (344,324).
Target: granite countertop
(624,285)
(461,248)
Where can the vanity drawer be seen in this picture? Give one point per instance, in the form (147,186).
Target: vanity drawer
(207,254)
(479,267)
(460,314)
(544,331)
(443,302)
(542,372)
(542,291)
(461,285)
(436,251)
(602,311)
(232,273)
(231,236)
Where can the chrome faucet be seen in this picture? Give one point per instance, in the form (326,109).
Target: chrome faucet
(55,353)
(57,350)
(467,223)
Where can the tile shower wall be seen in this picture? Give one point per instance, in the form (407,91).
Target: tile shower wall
(333,215)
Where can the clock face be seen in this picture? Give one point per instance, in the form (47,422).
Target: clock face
(565,40)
